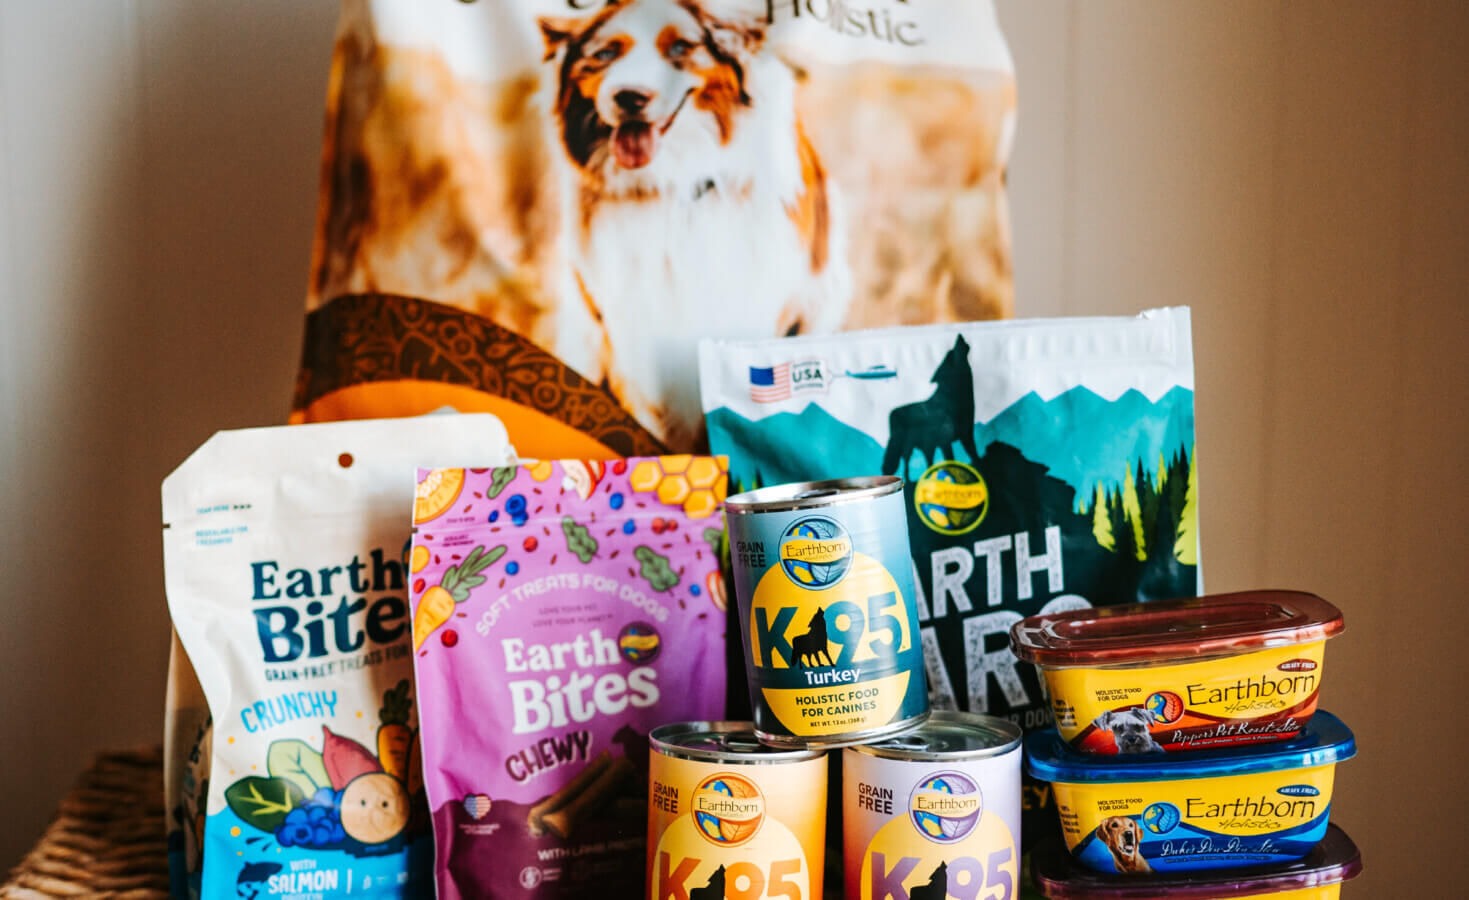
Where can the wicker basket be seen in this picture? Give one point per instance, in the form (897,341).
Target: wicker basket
(108,838)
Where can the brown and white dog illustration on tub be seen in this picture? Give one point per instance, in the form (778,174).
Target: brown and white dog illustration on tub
(1124,837)
(693,203)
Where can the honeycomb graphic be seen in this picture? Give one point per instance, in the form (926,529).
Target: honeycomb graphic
(698,485)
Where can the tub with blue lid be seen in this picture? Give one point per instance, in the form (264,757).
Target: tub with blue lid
(1196,810)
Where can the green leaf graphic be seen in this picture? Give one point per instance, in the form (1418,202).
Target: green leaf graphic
(579,540)
(498,480)
(714,537)
(263,802)
(655,568)
(296,762)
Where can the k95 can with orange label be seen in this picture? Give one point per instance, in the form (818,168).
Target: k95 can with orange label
(935,813)
(732,819)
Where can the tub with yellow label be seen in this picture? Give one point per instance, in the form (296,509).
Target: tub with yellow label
(1136,815)
(1223,671)
(1316,876)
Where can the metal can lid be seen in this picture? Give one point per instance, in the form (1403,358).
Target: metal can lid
(732,743)
(812,494)
(949,735)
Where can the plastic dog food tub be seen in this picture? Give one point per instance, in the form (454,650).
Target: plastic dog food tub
(1223,671)
(1316,876)
(1246,806)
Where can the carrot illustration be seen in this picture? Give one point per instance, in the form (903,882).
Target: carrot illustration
(437,604)
(394,737)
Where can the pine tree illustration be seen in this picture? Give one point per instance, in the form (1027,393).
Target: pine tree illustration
(1102,521)
(1186,548)
(1133,513)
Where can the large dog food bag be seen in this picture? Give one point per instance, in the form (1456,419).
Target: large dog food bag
(537,207)
(1049,466)
(286,566)
(561,610)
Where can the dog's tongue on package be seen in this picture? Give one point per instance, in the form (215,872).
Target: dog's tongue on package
(633,144)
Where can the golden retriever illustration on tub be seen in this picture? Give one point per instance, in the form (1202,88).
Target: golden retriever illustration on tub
(1124,837)
(693,203)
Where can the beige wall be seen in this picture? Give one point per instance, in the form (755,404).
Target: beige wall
(1296,171)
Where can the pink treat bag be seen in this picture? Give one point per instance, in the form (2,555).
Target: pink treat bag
(561,611)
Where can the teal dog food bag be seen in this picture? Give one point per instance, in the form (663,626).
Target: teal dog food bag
(1049,465)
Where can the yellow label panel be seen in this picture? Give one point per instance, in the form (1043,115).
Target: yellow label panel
(1196,823)
(838,708)
(1264,695)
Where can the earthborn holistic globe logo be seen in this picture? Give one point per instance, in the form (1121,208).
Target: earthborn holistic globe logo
(945,807)
(816,552)
(951,497)
(1166,707)
(1161,818)
(727,809)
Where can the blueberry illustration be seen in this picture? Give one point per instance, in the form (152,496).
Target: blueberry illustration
(629,527)
(512,568)
(615,501)
(494,515)
(515,505)
(694,589)
(518,521)
(292,834)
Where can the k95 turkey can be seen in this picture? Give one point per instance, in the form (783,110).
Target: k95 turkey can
(934,812)
(729,817)
(824,581)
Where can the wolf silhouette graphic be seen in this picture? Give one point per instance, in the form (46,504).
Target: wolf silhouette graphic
(933,426)
(937,887)
(809,649)
(714,890)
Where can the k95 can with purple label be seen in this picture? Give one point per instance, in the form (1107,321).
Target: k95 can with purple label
(934,812)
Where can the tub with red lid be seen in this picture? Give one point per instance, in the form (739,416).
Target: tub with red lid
(1220,671)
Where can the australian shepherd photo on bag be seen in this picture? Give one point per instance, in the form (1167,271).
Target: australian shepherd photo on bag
(538,208)
(693,201)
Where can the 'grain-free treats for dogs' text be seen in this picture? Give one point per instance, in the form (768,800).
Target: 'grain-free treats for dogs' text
(536,207)
(561,610)
(287,578)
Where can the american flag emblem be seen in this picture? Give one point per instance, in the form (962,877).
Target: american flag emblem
(770,383)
